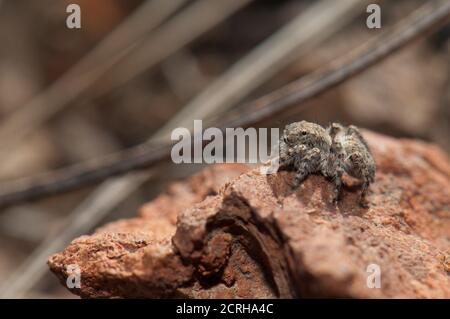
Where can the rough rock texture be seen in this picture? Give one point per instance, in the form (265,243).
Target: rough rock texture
(234,232)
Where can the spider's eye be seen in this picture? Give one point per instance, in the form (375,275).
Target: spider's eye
(304,133)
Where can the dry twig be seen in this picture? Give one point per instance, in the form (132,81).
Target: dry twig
(82,75)
(299,36)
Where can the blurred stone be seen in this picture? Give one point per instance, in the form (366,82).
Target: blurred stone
(403,92)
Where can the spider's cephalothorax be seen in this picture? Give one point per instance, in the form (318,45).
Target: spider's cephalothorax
(309,148)
(357,160)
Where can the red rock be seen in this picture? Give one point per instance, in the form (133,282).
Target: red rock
(233,234)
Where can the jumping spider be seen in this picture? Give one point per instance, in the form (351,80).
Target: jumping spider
(309,149)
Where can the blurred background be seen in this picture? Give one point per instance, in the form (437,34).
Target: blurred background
(138,68)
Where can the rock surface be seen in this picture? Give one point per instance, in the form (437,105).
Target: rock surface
(232,232)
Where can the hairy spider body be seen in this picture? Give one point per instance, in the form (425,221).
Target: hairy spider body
(307,148)
(310,149)
(357,160)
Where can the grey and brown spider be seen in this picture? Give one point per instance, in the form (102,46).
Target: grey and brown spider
(309,148)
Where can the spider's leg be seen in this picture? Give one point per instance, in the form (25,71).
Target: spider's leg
(334,172)
(300,176)
(285,159)
(353,130)
(334,129)
(337,180)
(334,168)
(306,165)
(363,197)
